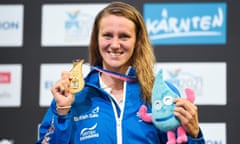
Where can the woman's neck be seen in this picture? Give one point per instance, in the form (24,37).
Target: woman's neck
(115,85)
(111,82)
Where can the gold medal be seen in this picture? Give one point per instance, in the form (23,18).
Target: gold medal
(77,82)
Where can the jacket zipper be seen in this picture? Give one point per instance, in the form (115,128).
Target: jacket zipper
(118,123)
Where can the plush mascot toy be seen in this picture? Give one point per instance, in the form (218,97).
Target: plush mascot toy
(162,116)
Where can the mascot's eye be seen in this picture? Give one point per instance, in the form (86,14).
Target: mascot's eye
(168,100)
(157,104)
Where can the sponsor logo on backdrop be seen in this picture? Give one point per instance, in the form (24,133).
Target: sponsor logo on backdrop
(188,23)
(5,95)
(182,78)
(10,85)
(11,25)
(68,24)
(5,77)
(214,133)
(6,141)
(77,25)
(208,80)
(50,74)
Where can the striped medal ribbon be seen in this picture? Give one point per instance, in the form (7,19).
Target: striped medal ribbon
(116,75)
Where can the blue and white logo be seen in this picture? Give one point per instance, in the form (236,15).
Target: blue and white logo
(186,23)
(11,25)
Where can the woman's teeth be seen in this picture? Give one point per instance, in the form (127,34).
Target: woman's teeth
(115,53)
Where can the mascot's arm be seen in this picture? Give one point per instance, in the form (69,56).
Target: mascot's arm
(190,95)
(147,117)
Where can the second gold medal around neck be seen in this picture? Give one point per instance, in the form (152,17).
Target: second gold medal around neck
(77,82)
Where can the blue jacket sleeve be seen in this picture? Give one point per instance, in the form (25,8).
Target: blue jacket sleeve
(198,140)
(55,128)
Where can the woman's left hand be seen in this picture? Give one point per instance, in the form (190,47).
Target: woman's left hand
(187,113)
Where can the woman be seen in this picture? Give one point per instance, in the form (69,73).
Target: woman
(121,79)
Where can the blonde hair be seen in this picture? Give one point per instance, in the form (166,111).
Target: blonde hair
(143,58)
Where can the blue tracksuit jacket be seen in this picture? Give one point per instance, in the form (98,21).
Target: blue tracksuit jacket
(95,118)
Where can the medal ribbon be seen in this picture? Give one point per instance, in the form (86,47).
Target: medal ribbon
(116,75)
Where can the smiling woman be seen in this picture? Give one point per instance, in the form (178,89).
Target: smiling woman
(120,81)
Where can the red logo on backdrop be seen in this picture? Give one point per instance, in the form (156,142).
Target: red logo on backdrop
(5,77)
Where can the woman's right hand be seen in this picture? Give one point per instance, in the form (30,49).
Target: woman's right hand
(61,93)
